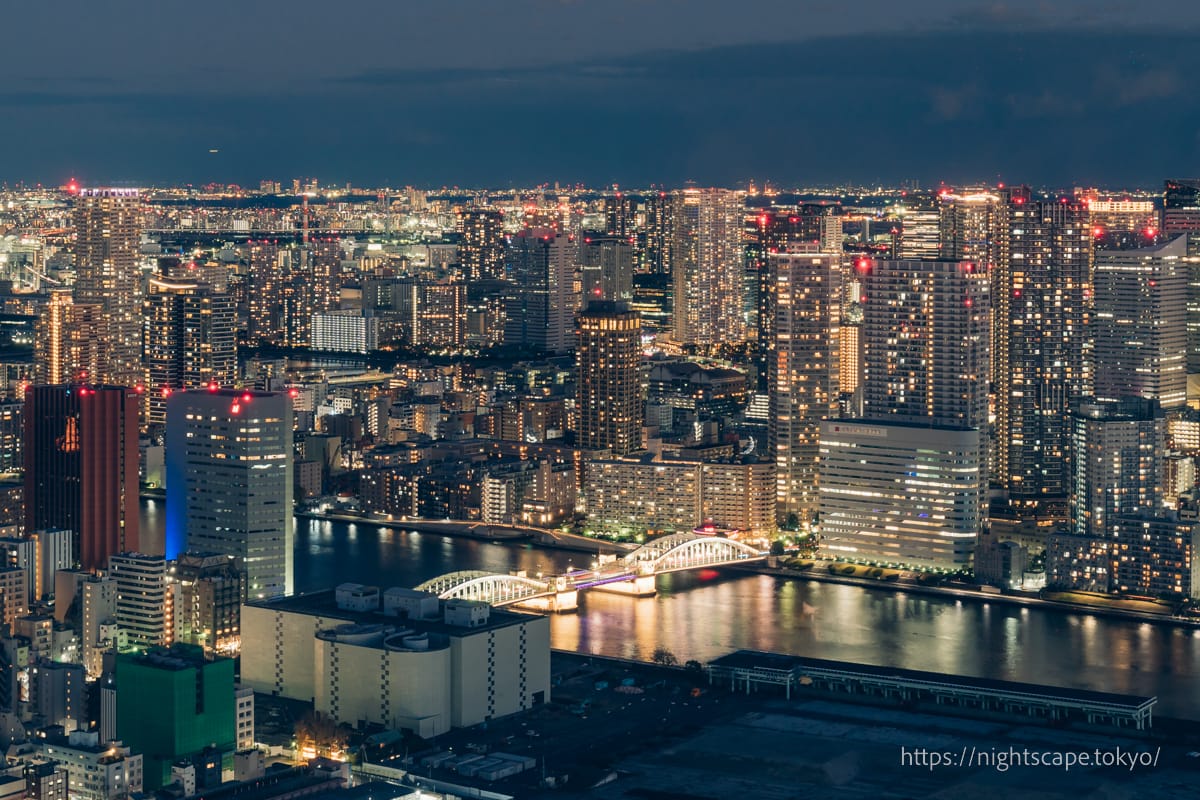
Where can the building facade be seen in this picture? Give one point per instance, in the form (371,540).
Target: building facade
(229,482)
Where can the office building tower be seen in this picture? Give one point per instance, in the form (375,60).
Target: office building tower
(190,341)
(1140,325)
(481,244)
(1118,466)
(68,346)
(1042,290)
(108,233)
(707,266)
(608,357)
(229,482)
(805,372)
(173,704)
(540,309)
(606,270)
(925,332)
(1181,206)
(920,236)
(145,598)
(81,467)
(900,493)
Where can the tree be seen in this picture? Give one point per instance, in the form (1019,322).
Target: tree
(692,665)
(664,657)
(777,547)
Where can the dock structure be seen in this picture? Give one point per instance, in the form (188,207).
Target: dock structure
(751,670)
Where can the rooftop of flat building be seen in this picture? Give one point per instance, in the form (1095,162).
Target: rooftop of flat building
(324,604)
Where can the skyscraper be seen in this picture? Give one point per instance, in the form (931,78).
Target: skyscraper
(107,236)
(1043,287)
(68,346)
(925,331)
(608,379)
(541,305)
(191,341)
(707,265)
(81,467)
(606,268)
(656,239)
(805,372)
(229,482)
(481,245)
(1141,324)
(920,236)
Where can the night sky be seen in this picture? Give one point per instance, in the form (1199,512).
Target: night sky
(520,92)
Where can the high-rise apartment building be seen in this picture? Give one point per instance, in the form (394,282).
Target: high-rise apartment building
(190,341)
(81,467)
(67,346)
(606,269)
(1043,293)
(656,238)
(920,236)
(925,332)
(805,372)
(108,233)
(481,245)
(540,308)
(1140,325)
(608,356)
(707,265)
(620,215)
(229,482)
(1118,468)
(264,285)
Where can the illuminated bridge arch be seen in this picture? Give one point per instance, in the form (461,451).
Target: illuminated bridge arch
(488,587)
(682,551)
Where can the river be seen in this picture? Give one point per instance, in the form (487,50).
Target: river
(707,613)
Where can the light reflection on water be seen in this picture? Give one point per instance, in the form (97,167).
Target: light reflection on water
(705,614)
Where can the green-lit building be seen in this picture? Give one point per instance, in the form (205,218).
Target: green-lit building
(172,704)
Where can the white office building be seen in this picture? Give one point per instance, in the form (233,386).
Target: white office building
(900,493)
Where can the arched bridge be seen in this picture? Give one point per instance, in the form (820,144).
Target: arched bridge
(683,551)
(674,553)
(489,587)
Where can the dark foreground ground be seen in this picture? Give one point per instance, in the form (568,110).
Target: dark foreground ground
(677,738)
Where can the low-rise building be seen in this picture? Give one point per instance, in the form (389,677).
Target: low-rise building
(95,771)
(374,664)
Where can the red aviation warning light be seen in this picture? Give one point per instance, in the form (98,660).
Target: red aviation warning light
(166,391)
(293,393)
(863,265)
(213,387)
